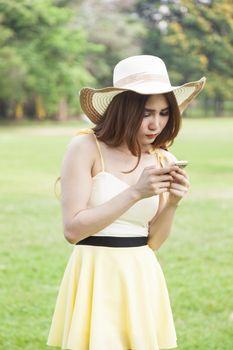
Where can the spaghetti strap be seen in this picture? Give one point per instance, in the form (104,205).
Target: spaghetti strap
(101,157)
(90,131)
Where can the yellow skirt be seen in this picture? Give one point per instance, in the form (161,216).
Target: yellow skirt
(113,298)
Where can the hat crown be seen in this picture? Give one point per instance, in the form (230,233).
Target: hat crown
(136,67)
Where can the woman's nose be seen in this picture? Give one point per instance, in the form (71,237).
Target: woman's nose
(155,122)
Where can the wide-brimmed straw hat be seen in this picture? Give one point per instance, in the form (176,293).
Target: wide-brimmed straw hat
(144,74)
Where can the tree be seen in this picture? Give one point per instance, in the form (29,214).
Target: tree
(194,38)
(42,56)
(119,30)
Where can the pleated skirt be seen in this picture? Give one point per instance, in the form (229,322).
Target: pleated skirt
(113,298)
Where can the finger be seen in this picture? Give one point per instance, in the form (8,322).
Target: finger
(163,184)
(182,172)
(182,179)
(161,178)
(155,171)
(161,190)
(165,178)
(184,183)
(178,187)
(177,193)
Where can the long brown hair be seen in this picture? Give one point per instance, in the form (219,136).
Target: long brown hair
(122,120)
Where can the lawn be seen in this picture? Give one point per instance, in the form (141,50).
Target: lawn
(197,258)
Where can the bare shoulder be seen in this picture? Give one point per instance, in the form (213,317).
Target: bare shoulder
(85,142)
(82,146)
(171,158)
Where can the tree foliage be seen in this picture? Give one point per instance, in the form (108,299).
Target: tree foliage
(194,38)
(112,24)
(49,49)
(42,55)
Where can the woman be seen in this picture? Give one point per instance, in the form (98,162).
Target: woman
(120,191)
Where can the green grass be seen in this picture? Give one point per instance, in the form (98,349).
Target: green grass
(196,259)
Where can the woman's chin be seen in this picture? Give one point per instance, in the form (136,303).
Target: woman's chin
(149,141)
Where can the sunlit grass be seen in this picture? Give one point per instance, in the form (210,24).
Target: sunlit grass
(196,259)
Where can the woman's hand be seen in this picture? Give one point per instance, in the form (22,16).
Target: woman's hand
(179,186)
(154,181)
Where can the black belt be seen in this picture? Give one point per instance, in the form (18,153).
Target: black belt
(110,241)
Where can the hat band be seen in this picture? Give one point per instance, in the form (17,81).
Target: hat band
(140,78)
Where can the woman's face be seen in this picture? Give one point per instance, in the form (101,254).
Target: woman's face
(156,115)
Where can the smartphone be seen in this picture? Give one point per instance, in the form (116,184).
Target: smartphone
(181,163)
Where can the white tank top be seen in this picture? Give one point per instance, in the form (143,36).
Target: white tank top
(134,222)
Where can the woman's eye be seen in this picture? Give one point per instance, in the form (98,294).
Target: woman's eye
(146,114)
(164,113)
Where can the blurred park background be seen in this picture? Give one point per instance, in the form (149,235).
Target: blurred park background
(48,51)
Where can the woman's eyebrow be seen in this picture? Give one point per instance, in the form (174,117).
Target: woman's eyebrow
(153,110)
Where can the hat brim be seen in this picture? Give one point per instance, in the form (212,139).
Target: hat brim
(94,102)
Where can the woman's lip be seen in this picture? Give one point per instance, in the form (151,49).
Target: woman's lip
(152,135)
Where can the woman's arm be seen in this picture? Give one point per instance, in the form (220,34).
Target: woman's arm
(80,221)
(92,220)
(160,226)
(160,229)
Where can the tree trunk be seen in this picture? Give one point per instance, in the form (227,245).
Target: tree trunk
(62,110)
(219,106)
(208,106)
(40,111)
(29,108)
(3,109)
(19,113)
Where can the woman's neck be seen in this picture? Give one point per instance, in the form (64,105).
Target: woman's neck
(124,149)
